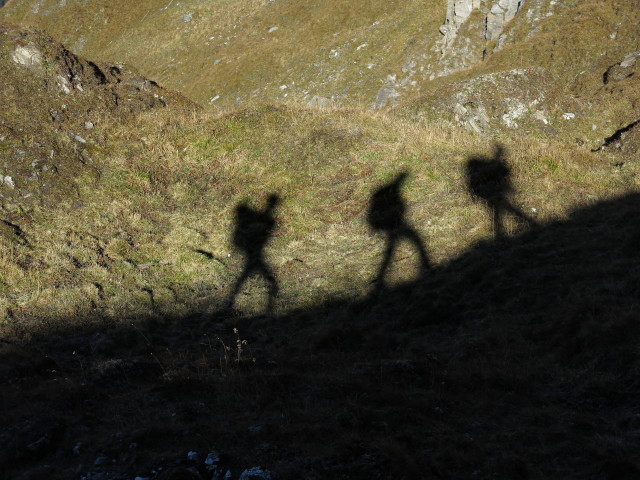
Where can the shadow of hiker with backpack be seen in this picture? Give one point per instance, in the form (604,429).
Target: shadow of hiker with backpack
(253,229)
(489,181)
(386,213)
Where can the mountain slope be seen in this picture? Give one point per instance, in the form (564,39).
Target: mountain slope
(328,293)
(539,66)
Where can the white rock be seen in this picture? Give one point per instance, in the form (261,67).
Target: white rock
(212,458)
(8,181)
(539,115)
(568,116)
(272,29)
(319,102)
(630,59)
(193,456)
(77,138)
(63,84)
(28,55)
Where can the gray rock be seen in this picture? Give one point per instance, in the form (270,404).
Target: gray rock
(320,102)
(77,138)
(105,476)
(630,60)
(458,11)
(102,460)
(8,181)
(501,13)
(628,67)
(256,473)
(458,52)
(39,444)
(386,95)
(193,457)
(212,459)
(473,116)
(63,84)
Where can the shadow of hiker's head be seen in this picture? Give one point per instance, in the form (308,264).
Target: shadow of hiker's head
(499,153)
(273,201)
(400,178)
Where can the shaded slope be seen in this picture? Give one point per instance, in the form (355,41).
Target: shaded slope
(516,359)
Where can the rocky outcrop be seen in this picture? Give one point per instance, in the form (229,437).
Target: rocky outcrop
(501,13)
(55,103)
(466,35)
(513,99)
(458,12)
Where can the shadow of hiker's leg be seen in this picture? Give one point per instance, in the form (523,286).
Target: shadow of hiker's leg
(246,272)
(384,265)
(498,227)
(270,277)
(412,236)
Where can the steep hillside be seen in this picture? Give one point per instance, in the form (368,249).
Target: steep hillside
(328,293)
(564,69)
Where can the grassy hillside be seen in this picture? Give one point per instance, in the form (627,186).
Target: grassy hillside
(551,60)
(569,65)
(149,228)
(230,48)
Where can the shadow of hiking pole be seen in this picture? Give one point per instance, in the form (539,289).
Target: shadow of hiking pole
(489,181)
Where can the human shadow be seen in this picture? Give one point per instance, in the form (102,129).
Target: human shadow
(253,230)
(489,181)
(386,214)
